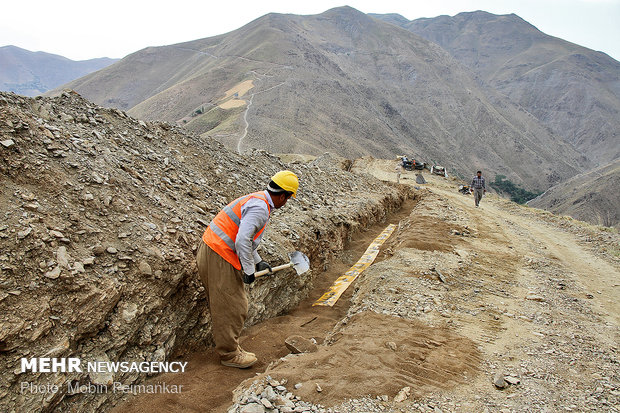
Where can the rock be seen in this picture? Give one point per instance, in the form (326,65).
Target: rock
(512,380)
(98,250)
(318,388)
(298,386)
(78,267)
(299,344)
(56,234)
(252,408)
(266,403)
(269,393)
(23,234)
(53,274)
(89,260)
(33,206)
(145,268)
(62,258)
(420,179)
(283,401)
(7,143)
(111,250)
(535,297)
(391,345)
(402,395)
(499,381)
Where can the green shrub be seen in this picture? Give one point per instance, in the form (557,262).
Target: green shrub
(517,194)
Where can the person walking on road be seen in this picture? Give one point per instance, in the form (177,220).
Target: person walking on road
(479,187)
(228,258)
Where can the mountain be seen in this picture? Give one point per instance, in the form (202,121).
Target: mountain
(33,73)
(573,90)
(340,81)
(592,196)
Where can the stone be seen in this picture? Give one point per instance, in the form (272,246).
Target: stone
(111,250)
(145,268)
(23,234)
(318,388)
(56,234)
(512,380)
(269,394)
(499,381)
(266,403)
(89,260)
(534,297)
(402,395)
(53,274)
(391,345)
(7,143)
(298,386)
(62,258)
(299,344)
(33,206)
(252,408)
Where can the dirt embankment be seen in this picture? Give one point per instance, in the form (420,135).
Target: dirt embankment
(101,217)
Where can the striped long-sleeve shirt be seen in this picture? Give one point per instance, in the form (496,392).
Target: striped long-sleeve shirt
(478,183)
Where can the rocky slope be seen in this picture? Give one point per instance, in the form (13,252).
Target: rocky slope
(339,81)
(573,90)
(102,214)
(592,196)
(34,73)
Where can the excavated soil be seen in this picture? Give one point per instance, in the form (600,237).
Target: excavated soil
(208,386)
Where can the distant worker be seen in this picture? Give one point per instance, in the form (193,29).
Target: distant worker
(399,170)
(478,187)
(228,258)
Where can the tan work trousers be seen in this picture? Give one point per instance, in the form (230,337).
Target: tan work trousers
(227,300)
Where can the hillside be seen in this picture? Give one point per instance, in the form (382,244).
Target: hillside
(102,215)
(591,196)
(34,73)
(339,81)
(572,90)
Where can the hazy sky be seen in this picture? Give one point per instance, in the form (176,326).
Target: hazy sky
(82,29)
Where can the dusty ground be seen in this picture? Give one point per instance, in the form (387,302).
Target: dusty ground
(459,297)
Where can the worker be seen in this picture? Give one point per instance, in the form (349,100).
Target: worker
(227,259)
(399,170)
(479,187)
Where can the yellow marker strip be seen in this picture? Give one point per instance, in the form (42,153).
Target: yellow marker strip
(342,283)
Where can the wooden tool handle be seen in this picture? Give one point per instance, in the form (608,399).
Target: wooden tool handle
(274,269)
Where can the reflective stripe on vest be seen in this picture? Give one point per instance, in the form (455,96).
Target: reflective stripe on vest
(221,233)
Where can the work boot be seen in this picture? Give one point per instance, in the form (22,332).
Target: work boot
(246,352)
(242,360)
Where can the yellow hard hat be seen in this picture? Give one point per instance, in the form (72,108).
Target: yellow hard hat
(286,180)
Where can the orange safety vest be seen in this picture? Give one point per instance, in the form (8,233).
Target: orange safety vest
(221,233)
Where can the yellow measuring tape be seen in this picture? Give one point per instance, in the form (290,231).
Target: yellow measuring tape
(342,283)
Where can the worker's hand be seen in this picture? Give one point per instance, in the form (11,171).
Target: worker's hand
(264,265)
(248,279)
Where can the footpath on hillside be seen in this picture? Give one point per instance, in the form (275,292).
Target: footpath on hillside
(498,308)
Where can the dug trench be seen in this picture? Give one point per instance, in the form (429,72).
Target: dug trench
(352,358)
(208,386)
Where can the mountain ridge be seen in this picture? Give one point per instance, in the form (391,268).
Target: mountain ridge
(573,90)
(338,81)
(33,73)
